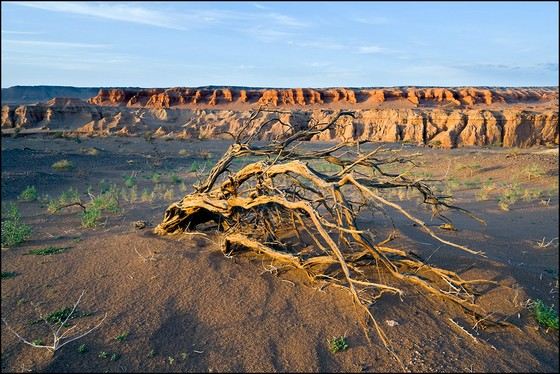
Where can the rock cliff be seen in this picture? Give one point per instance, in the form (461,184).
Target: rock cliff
(521,117)
(463,97)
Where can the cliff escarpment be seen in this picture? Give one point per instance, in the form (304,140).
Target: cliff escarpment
(446,117)
(462,97)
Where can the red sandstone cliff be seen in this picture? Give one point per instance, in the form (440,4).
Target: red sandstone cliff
(520,117)
(466,97)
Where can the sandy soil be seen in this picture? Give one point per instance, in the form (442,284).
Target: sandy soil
(186,307)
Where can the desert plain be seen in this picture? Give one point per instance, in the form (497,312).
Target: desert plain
(178,303)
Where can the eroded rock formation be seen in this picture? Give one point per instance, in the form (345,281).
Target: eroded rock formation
(447,117)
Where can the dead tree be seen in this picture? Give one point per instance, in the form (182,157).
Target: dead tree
(283,208)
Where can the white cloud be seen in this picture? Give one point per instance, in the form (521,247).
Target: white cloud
(372,20)
(119,12)
(20,32)
(178,20)
(284,20)
(319,44)
(370,49)
(41,43)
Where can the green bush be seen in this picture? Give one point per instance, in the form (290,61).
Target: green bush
(129,181)
(338,344)
(14,231)
(28,194)
(90,217)
(544,315)
(63,165)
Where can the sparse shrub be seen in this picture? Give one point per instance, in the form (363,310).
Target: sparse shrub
(484,192)
(108,201)
(47,251)
(194,167)
(183,187)
(28,194)
(82,348)
(533,171)
(146,196)
(169,194)
(90,217)
(8,274)
(175,178)
(124,194)
(545,316)
(133,194)
(509,197)
(183,152)
(14,231)
(532,194)
(122,337)
(337,344)
(472,184)
(156,178)
(129,181)
(63,165)
(92,151)
(67,197)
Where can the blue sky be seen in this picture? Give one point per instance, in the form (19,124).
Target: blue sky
(279,44)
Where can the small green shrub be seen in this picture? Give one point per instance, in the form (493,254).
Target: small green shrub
(38,342)
(63,165)
(545,316)
(169,195)
(133,194)
(533,171)
(122,337)
(90,217)
(103,354)
(47,251)
(82,348)
(175,178)
(194,167)
(156,178)
(67,197)
(90,151)
(146,196)
(28,194)
(115,357)
(337,344)
(129,181)
(509,197)
(59,316)
(14,231)
(8,274)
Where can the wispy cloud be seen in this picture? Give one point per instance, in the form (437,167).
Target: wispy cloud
(318,44)
(119,12)
(168,19)
(284,20)
(260,6)
(21,32)
(42,43)
(372,20)
(371,49)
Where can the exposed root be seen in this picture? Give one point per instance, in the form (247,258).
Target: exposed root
(283,208)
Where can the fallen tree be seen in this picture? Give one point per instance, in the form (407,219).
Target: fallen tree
(282,207)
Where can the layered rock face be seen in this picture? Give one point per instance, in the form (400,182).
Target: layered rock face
(441,116)
(328,98)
